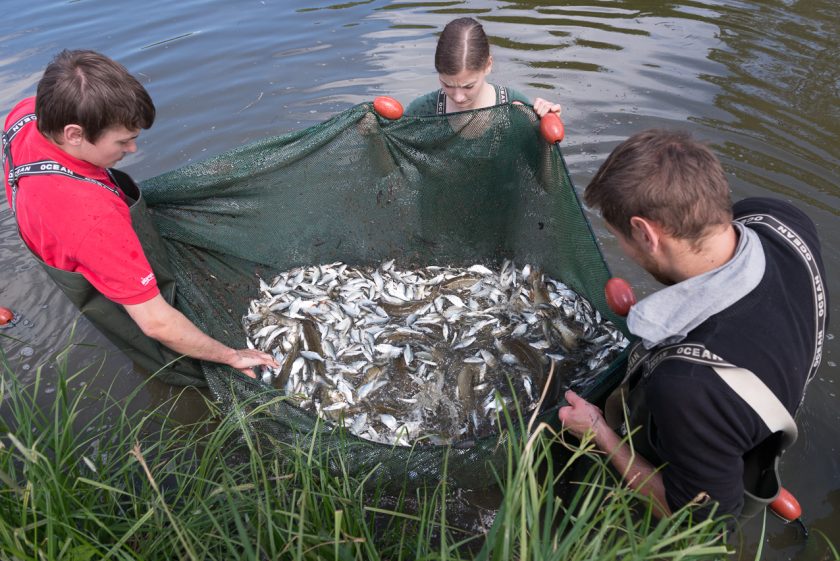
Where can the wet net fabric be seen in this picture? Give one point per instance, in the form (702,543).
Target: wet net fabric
(456,190)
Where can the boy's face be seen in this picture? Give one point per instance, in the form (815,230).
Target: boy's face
(111,146)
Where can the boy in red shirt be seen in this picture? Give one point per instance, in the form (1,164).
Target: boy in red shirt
(78,216)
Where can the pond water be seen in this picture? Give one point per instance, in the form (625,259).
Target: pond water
(758,80)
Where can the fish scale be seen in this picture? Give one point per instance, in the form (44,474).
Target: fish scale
(424,356)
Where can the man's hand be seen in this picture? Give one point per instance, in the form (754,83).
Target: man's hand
(543,107)
(580,416)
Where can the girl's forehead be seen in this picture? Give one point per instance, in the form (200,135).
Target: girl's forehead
(463,78)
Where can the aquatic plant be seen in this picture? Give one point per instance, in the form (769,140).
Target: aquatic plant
(84,478)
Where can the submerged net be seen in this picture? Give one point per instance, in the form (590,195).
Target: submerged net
(455,190)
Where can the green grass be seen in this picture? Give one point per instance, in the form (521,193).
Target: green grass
(86,479)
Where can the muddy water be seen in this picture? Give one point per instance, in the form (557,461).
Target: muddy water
(758,80)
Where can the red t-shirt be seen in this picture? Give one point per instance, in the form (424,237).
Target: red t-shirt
(75,225)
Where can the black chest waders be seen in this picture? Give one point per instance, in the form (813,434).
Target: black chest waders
(107,316)
(762,483)
(502,97)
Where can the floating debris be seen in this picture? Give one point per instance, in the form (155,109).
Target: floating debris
(429,355)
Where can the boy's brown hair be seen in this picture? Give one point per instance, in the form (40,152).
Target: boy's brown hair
(462,46)
(666,177)
(88,89)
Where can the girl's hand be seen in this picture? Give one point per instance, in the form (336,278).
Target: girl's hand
(543,107)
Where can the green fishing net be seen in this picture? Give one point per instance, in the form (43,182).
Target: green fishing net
(455,190)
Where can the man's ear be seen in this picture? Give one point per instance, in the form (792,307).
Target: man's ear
(645,232)
(72,135)
(489,66)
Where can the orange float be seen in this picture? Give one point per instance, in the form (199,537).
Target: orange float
(620,296)
(551,127)
(7,316)
(388,107)
(786,506)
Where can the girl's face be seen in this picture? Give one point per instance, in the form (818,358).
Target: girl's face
(465,89)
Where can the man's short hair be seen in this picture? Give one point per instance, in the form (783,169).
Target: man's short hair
(88,89)
(666,177)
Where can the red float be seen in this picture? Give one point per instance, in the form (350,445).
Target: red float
(786,506)
(620,296)
(551,127)
(7,316)
(388,107)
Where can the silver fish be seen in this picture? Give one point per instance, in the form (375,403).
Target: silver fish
(452,346)
(311,355)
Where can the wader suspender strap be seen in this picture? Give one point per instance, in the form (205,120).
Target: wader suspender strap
(795,242)
(41,167)
(10,134)
(440,108)
(742,381)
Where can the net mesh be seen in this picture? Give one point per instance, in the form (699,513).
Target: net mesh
(460,189)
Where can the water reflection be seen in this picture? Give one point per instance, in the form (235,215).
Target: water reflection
(780,95)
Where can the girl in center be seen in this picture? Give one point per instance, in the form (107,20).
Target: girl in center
(463,61)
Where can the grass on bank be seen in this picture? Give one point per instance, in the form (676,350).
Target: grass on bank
(82,479)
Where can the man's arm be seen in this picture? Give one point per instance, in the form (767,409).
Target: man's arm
(160,321)
(581,417)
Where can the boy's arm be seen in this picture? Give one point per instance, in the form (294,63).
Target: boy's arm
(160,321)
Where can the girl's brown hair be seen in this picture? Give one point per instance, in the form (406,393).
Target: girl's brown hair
(462,46)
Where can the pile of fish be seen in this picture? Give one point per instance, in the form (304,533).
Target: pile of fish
(429,355)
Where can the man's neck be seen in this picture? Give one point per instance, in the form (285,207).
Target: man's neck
(711,252)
